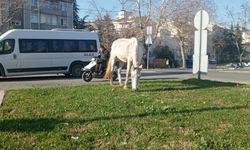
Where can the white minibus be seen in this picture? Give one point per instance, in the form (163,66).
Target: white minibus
(29,52)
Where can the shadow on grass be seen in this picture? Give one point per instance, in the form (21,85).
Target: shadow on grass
(38,78)
(47,125)
(191,84)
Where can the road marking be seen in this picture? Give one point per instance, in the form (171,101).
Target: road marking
(235,71)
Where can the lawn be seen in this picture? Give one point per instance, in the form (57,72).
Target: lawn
(163,114)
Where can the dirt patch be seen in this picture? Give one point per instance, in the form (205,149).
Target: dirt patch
(179,145)
(70,114)
(182,130)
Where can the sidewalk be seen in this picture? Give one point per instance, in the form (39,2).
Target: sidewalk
(1,97)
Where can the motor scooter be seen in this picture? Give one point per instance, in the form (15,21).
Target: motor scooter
(89,70)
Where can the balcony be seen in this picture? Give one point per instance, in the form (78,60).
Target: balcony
(54,11)
(49,26)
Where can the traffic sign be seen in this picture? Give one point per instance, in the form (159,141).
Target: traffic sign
(149,30)
(148,40)
(200,58)
(203,42)
(201,20)
(202,66)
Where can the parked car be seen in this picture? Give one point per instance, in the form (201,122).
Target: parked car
(244,64)
(232,65)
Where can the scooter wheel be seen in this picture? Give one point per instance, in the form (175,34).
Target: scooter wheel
(87,76)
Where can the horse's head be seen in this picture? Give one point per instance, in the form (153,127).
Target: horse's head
(135,77)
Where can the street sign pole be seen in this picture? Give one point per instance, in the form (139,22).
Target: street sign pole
(148,41)
(200,58)
(148,56)
(199,71)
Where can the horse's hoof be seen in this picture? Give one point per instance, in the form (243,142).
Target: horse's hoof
(125,87)
(135,89)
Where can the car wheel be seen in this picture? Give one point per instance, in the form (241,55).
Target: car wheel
(76,70)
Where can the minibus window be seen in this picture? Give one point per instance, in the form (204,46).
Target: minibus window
(57,46)
(8,46)
(70,46)
(34,46)
(87,46)
(63,46)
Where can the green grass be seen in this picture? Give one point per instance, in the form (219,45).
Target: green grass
(164,114)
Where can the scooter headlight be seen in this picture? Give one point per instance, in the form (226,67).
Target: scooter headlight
(92,59)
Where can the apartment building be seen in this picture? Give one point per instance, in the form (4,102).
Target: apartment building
(44,15)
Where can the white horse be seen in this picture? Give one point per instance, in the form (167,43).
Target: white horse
(130,51)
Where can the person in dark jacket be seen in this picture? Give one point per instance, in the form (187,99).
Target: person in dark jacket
(104,55)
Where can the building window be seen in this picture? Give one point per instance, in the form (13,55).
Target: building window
(63,7)
(55,7)
(34,18)
(49,20)
(64,22)
(48,4)
(15,23)
(33,2)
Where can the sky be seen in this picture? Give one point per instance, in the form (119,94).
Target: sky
(116,6)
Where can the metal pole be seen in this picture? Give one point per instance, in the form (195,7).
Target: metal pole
(148,57)
(199,71)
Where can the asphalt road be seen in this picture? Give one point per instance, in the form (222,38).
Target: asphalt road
(241,76)
(43,81)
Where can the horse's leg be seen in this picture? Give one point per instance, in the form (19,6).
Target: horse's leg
(113,58)
(129,63)
(121,63)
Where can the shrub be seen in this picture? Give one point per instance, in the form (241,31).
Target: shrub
(161,52)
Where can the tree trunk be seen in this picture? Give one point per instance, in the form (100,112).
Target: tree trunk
(184,64)
(240,55)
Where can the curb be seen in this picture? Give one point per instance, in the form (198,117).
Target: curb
(1,97)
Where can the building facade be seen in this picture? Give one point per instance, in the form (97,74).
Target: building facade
(43,15)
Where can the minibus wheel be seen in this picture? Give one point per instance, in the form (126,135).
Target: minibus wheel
(76,70)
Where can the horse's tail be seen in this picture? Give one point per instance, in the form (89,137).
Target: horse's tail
(108,74)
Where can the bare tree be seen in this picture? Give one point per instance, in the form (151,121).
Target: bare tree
(106,31)
(146,13)
(103,25)
(176,16)
(8,9)
(218,40)
(181,22)
(239,19)
(149,13)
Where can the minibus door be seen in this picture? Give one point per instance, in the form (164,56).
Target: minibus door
(8,57)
